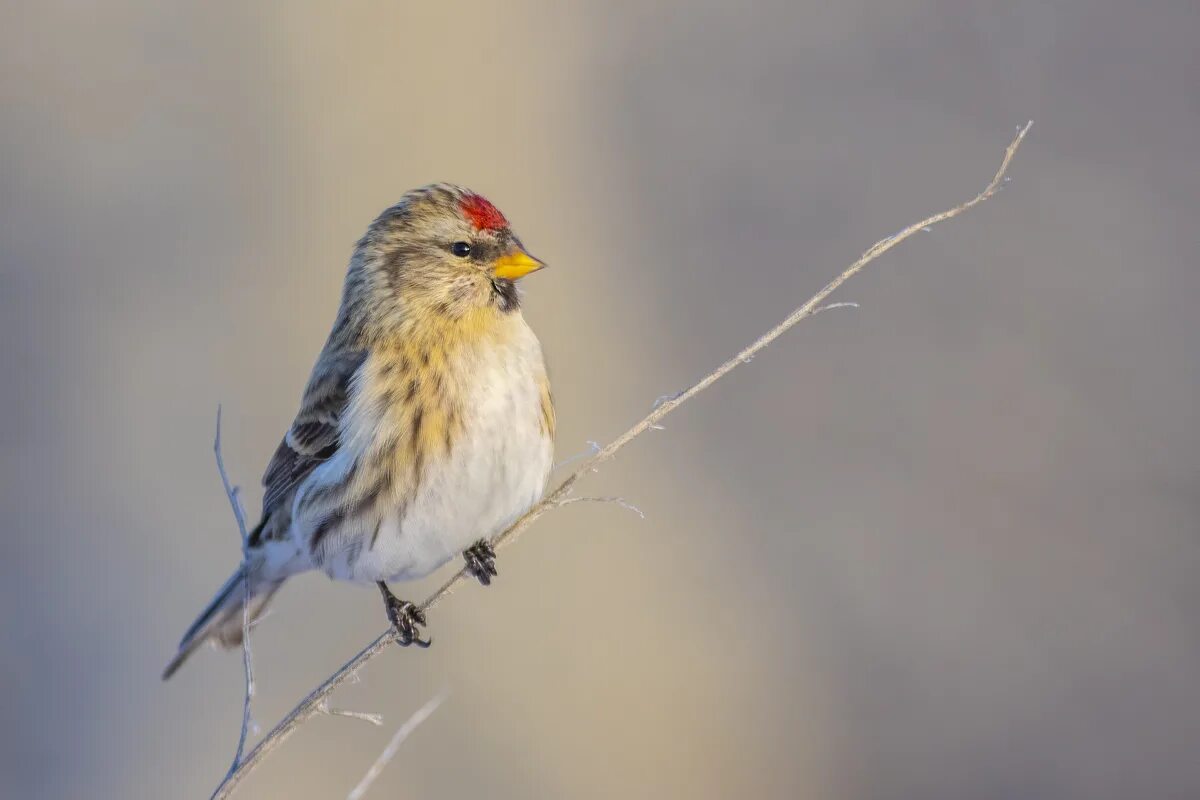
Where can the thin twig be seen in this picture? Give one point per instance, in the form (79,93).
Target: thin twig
(593,448)
(231,491)
(620,501)
(365,716)
(239,514)
(310,705)
(832,306)
(423,713)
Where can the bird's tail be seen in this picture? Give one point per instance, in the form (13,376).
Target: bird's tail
(221,620)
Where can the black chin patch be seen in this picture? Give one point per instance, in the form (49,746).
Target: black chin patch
(505,293)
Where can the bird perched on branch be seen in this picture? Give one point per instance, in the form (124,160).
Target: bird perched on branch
(427,424)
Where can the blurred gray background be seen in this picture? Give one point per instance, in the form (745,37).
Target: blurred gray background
(944,546)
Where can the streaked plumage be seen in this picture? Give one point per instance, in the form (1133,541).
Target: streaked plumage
(427,423)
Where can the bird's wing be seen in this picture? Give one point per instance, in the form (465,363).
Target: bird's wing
(313,437)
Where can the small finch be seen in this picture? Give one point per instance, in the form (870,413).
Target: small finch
(425,429)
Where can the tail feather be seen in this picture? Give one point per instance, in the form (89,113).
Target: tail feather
(221,620)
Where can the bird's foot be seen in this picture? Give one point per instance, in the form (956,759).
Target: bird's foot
(481,561)
(405,617)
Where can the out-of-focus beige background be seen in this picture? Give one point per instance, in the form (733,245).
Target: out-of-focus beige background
(944,546)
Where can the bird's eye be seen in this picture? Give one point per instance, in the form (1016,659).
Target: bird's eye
(461,249)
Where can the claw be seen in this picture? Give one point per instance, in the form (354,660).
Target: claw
(481,561)
(405,617)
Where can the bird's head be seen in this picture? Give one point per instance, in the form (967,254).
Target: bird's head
(441,250)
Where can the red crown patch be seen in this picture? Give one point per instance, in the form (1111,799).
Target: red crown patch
(482,214)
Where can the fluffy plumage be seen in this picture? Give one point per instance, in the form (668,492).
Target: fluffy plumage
(427,423)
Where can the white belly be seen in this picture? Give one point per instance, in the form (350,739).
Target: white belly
(494,472)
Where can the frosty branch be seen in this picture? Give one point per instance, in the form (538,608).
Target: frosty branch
(314,703)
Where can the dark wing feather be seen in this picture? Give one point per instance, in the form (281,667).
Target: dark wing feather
(313,437)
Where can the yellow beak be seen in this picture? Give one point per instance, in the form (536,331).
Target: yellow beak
(516,264)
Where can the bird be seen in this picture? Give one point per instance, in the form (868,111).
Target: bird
(426,426)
